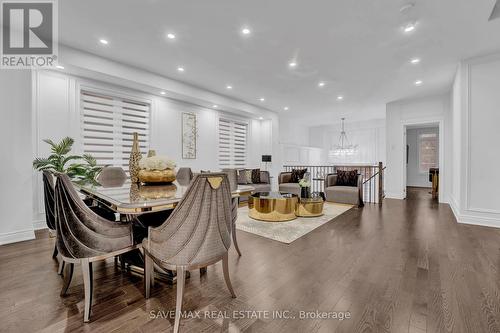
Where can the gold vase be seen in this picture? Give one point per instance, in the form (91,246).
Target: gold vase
(135,157)
(156,176)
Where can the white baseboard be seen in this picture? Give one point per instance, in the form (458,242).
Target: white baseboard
(17,236)
(474,219)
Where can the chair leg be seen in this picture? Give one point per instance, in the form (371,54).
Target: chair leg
(87,284)
(181,280)
(235,240)
(225,268)
(148,275)
(68,274)
(54,253)
(60,270)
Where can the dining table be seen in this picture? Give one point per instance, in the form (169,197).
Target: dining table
(129,201)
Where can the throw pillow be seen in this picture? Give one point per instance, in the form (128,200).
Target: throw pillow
(248,175)
(242,177)
(297,175)
(255,176)
(347,178)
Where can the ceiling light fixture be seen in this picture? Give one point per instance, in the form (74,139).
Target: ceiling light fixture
(162,92)
(245,31)
(262,99)
(343,147)
(180,69)
(418,82)
(103,41)
(415,61)
(286,108)
(409,27)
(321,84)
(261,118)
(215,106)
(292,64)
(340,97)
(59,67)
(170,35)
(229,87)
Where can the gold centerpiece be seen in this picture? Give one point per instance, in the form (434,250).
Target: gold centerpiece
(156,169)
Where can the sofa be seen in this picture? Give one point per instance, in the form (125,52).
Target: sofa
(343,194)
(263,186)
(286,185)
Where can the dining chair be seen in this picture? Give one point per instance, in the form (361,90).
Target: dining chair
(84,237)
(184,176)
(49,202)
(196,234)
(232,175)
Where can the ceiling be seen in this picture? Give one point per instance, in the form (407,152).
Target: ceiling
(358,48)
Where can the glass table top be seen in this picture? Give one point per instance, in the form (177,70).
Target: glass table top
(127,197)
(273,195)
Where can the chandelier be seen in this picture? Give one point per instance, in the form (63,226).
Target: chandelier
(344,147)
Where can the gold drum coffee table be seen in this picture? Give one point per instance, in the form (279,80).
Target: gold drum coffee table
(309,207)
(272,206)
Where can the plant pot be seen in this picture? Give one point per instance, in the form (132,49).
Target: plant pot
(156,176)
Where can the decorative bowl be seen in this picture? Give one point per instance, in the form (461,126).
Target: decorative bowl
(156,176)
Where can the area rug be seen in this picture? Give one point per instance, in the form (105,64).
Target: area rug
(287,232)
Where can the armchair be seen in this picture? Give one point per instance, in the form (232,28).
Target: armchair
(285,184)
(343,194)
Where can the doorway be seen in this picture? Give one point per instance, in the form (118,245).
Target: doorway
(423,153)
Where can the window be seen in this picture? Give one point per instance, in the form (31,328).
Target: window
(108,123)
(232,143)
(427,151)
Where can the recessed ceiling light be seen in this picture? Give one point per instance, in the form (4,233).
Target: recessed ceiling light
(286,108)
(409,27)
(261,118)
(340,97)
(59,67)
(292,64)
(246,31)
(215,106)
(162,92)
(418,82)
(103,41)
(229,87)
(262,99)
(321,84)
(170,35)
(180,69)
(415,61)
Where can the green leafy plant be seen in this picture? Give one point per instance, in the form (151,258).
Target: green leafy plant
(78,168)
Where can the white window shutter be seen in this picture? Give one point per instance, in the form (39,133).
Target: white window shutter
(107,124)
(232,143)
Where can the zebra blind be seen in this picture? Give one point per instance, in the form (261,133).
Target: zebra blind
(232,143)
(107,125)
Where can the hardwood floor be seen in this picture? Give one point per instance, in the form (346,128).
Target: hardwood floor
(405,267)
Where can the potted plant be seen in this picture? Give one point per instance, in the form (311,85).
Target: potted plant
(79,168)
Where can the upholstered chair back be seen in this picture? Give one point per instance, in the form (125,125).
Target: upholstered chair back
(184,176)
(284,177)
(198,230)
(81,233)
(111,176)
(48,193)
(331,179)
(232,176)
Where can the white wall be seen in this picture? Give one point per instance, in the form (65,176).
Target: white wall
(414,176)
(15,156)
(433,109)
(476,100)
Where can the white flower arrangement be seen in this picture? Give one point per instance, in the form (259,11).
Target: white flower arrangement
(304,183)
(156,163)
